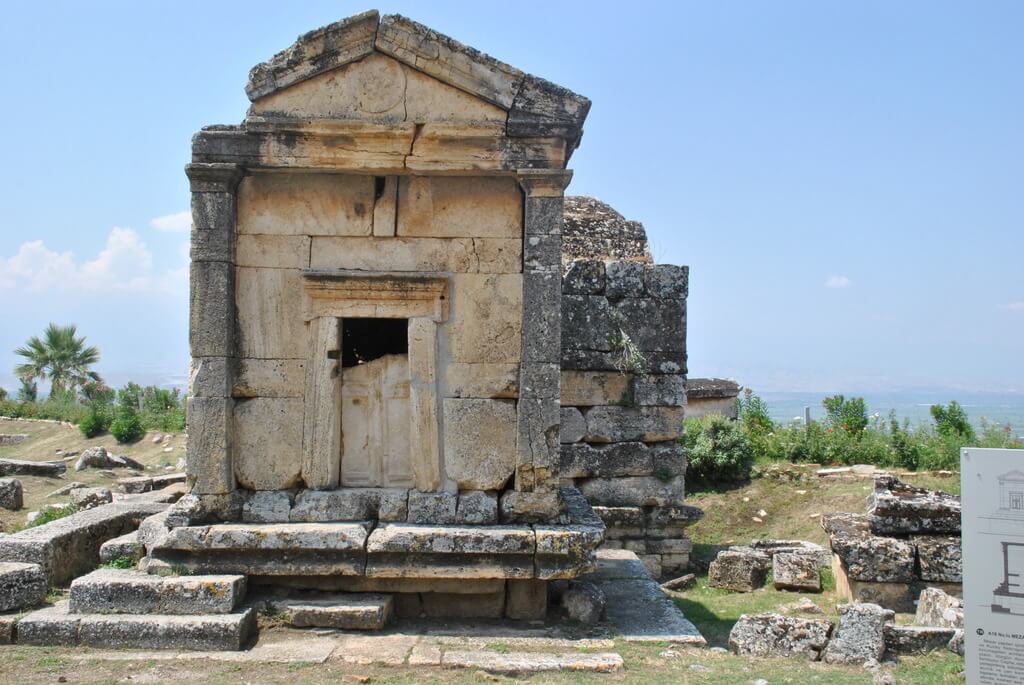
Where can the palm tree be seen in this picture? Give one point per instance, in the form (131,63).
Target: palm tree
(59,356)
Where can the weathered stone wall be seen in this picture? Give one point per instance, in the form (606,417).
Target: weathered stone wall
(468,230)
(623,385)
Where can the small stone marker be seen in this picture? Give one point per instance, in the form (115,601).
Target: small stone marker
(11,494)
(860,636)
(797,571)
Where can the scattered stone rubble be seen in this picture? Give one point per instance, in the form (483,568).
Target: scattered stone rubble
(99,458)
(907,540)
(796,566)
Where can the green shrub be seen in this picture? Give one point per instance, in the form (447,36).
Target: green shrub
(753,413)
(52,514)
(96,420)
(846,414)
(952,420)
(127,427)
(120,563)
(718,450)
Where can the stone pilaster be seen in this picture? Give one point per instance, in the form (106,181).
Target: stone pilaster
(212,327)
(539,375)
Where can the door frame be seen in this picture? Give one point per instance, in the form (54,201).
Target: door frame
(329,298)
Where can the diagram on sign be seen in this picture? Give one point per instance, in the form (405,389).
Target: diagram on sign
(1008,521)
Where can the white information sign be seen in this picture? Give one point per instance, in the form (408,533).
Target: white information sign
(992,494)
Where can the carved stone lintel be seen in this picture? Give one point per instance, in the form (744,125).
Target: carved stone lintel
(544,182)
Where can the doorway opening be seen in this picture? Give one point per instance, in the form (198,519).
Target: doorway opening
(363,340)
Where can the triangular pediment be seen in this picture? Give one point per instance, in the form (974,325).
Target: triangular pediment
(391,69)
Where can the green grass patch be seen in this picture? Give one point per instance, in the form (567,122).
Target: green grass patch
(120,563)
(53,514)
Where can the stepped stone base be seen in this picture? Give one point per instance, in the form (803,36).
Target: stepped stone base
(21,585)
(126,546)
(345,612)
(111,591)
(55,626)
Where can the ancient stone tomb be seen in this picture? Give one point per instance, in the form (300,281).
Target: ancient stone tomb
(375,320)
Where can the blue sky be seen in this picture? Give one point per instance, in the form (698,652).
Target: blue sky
(843,179)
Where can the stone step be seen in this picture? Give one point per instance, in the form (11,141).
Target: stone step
(21,585)
(56,626)
(114,591)
(342,611)
(127,545)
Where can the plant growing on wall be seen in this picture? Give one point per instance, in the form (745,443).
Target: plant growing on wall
(628,356)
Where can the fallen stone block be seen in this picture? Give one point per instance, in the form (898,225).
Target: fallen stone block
(135,485)
(21,585)
(939,609)
(90,498)
(115,591)
(66,490)
(55,626)
(910,640)
(861,634)
(21,467)
(867,557)
(684,582)
(167,479)
(69,547)
(7,623)
(126,546)
(775,635)
(772,547)
(898,508)
(511,663)
(797,571)
(11,494)
(739,570)
(342,611)
(99,458)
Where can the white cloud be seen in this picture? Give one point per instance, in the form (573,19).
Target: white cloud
(173,223)
(837,282)
(124,263)
(1014,306)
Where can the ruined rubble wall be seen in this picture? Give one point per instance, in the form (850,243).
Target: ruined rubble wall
(623,391)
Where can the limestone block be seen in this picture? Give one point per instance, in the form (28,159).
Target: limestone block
(621,516)
(460,207)
(673,517)
(538,445)
(116,591)
(659,390)
(542,253)
(624,279)
(528,507)
(345,504)
(653,325)
(653,361)
(456,255)
(573,427)
(539,380)
(479,442)
(273,251)
(341,612)
(89,498)
(774,635)
(269,378)
(24,467)
(270,324)
(584,277)
(210,377)
(486,318)
(125,546)
(796,571)
(526,600)
(666,281)
(276,537)
(21,585)
(393,504)
(7,624)
(771,547)
(69,546)
(439,551)
(213,210)
(212,309)
(956,643)
(212,244)
(582,460)
(875,559)
(447,59)
(584,601)
(593,388)
(937,608)
(481,380)
(11,494)
(903,640)
(898,508)
(267,450)
(587,323)
(640,491)
(477,508)
(623,424)
(742,571)
(208,456)
(542,323)
(432,507)
(444,605)
(939,557)
(308,204)
(544,215)
(269,506)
